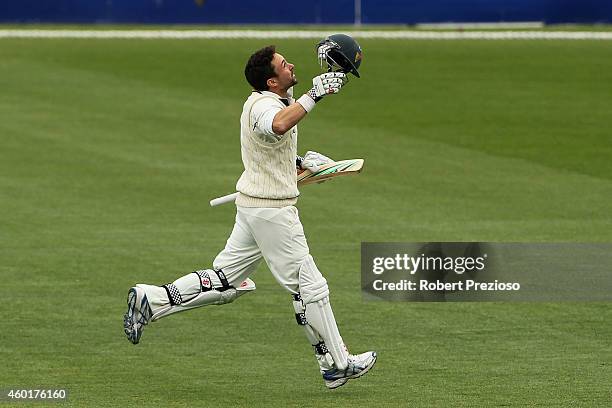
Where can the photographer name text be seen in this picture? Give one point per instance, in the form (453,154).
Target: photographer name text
(437,285)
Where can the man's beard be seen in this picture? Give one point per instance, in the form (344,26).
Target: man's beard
(294,81)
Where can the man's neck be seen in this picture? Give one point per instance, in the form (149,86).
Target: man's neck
(282,94)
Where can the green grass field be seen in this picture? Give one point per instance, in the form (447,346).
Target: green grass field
(110,151)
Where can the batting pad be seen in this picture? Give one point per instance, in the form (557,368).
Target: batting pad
(197,289)
(321,318)
(313,286)
(318,312)
(321,352)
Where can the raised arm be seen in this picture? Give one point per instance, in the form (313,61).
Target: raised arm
(324,84)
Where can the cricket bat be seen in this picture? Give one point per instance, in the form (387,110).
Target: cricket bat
(304,177)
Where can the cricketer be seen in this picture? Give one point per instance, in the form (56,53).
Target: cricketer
(267,224)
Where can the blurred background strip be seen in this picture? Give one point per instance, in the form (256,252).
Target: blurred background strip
(305,12)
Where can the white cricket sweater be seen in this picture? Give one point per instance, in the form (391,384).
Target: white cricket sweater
(269,178)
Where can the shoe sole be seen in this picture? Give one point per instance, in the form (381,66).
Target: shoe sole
(332,385)
(136,317)
(343,381)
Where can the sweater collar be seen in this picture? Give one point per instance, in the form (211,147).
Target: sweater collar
(284,101)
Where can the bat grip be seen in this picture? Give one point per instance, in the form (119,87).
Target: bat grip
(225,199)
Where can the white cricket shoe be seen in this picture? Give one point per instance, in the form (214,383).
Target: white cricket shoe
(357,366)
(138,314)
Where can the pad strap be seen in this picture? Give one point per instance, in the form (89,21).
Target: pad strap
(218,283)
(300,316)
(321,348)
(205,283)
(174,295)
(224,284)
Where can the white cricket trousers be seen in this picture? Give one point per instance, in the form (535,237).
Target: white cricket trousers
(274,234)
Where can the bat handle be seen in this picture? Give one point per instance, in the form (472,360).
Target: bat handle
(225,199)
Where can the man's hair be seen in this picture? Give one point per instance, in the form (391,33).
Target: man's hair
(259,68)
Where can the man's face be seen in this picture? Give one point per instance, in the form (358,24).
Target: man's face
(284,72)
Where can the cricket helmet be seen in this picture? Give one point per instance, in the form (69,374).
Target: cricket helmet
(341,52)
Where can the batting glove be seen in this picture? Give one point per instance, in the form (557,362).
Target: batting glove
(326,84)
(313,161)
(322,51)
